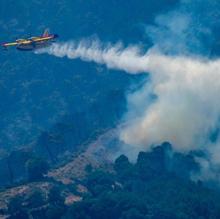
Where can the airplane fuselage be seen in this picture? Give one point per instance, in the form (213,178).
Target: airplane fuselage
(36,43)
(32,43)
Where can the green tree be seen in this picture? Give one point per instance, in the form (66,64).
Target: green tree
(54,212)
(99,181)
(35,199)
(123,168)
(36,168)
(80,210)
(55,197)
(132,213)
(16,209)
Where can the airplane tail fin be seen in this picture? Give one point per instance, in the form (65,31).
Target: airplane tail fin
(46,33)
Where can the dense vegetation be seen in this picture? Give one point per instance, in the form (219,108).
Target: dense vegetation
(155,187)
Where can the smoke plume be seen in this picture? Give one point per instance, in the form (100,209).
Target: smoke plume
(183,78)
(113,56)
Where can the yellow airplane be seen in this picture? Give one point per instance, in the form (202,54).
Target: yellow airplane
(33,43)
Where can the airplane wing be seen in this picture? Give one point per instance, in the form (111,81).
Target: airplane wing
(42,39)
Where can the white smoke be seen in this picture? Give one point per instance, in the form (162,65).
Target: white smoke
(186,110)
(114,57)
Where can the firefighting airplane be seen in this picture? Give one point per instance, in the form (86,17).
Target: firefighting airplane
(33,43)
